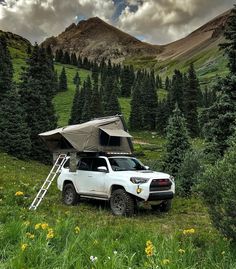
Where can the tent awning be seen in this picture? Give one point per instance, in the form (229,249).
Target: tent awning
(115,132)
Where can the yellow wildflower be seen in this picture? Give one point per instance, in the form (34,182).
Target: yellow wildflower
(23,247)
(223,253)
(189,231)
(37,226)
(77,229)
(50,234)
(30,235)
(19,193)
(182,251)
(149,248)
(95,242)
(44,226)
(26,223)
(165,261)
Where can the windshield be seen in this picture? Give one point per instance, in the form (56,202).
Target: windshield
(126,164)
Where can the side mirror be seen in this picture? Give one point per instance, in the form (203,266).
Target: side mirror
(147,167)
(102,169)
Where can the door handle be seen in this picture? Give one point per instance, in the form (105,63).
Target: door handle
(90,176)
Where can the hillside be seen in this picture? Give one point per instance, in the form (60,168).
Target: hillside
(17,46)
(200,47)
(96,40)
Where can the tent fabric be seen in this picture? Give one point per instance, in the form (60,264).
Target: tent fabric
(85,137)
(116,132)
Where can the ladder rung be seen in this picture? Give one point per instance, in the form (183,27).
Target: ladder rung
(41,193)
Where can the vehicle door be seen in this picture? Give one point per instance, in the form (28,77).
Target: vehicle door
(99,179)
(83,175)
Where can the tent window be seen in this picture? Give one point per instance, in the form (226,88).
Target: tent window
(106,140)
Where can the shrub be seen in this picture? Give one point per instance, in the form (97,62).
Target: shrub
(190,170)
(219,192)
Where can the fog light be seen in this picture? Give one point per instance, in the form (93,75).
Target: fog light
(139,190)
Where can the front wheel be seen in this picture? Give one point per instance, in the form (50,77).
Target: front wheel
(165,206)
(69,194)
(121,203)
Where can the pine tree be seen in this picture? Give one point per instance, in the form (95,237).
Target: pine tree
(149,102)
(86,112)
(66,58)
(63,80)
(76,78)
(74,59)
(96,102)
(136,113)
(113,106)
(14,132)
(162,116)
(126,80)
(220,121)
(106,89)
(75,106)
(167,84)
(6,68)
(176,90)
(229,46)
(177,142)
(38,80)
(191,98)
(59,56)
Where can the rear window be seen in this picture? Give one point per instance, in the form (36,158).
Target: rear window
(85,164)
(67,164)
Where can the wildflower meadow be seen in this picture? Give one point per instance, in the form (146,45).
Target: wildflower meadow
(89,236)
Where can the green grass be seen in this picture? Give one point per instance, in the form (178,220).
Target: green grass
(209,64)
(63,101)
(117,242)
(125,107)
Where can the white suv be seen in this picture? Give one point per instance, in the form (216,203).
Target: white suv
(124,181)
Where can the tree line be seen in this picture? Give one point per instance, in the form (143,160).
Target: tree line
(26,108)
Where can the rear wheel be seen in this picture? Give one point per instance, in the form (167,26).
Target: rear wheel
(69,194)
(122,203)
(165,206)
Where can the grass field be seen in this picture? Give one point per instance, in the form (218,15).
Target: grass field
(57,236)
(88,236)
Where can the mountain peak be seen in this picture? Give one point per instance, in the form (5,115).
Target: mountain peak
(97,40)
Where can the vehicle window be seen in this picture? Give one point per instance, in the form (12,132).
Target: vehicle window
(98,162)
(67,164)
(125,164)
(85,164)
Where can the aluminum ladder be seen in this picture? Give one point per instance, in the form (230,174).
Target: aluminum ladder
(48,181)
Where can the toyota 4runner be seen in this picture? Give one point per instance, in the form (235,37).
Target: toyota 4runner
(123,181)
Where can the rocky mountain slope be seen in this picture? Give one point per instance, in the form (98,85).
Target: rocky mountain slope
(96,39)
(208,35)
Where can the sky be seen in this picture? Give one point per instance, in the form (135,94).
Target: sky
(153,21)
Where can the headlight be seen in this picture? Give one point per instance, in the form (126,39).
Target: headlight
(138,180)
(172,178)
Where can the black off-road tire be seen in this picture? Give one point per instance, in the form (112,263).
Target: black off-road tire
(165,206)
(69,195)
(122,203)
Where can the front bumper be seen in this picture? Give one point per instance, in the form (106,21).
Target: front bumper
(160,196)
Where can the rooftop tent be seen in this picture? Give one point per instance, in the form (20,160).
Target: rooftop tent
(98,135)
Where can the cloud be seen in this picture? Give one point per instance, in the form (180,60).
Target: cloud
(163,21)
(38,19)
(156,21)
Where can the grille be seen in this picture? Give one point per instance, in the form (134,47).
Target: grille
(160,185)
